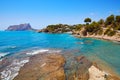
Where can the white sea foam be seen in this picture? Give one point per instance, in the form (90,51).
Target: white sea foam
(3,54)
(1,59)
(8,47)
(42,51)
(54,51)
(81,43)
(13,47)
(12,70)
(37,51)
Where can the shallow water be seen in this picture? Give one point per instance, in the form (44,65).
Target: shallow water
(13,43)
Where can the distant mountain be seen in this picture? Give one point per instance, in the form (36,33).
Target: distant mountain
(21,27)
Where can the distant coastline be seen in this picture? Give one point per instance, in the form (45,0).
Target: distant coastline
(108,29)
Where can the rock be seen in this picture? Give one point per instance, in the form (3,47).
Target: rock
(111,77)
(51,67)
(79,70)
(82,68)
(21,27)
(79,58)
(97,74)
(43,67)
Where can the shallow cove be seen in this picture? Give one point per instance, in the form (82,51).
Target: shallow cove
(107,52)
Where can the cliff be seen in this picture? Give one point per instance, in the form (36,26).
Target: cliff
(21,27)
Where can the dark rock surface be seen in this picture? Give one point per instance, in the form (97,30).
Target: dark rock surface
(21,27)
(78,68)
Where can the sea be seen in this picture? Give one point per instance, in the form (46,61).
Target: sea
(17,46)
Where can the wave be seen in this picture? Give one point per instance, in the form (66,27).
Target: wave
(3,55)
(1,59)
(12,47)
(54,51)
(34,52)
(8,47)
(12,70)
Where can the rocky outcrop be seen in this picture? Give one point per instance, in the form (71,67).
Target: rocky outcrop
(55,67)
(43,67)
(97,74)
(21,27)
(83,33)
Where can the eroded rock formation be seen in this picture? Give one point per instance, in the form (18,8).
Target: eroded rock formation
(43,67)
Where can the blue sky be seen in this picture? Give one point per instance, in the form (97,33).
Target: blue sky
(40,13)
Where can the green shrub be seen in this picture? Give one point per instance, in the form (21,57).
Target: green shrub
(94,27)
(110,32)
(110,19)
(78,27)
(100,32)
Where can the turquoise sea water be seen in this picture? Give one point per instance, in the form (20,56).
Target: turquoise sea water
(12,43)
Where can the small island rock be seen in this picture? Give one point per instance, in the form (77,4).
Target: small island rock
(21,27)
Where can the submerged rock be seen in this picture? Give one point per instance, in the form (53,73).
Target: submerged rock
(79,70)
(43,67)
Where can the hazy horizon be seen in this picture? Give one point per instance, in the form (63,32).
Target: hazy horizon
(40,13)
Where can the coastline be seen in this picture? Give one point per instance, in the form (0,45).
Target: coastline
(103,37)
(46,62)
(103,66)
(101,72)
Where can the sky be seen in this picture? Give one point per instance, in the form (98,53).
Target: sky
(40,13)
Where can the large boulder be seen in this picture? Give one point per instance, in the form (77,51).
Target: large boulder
(21,27)
(43,67)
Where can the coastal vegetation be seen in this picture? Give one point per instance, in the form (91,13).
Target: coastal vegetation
(87,20)
(110,26)
(58,28)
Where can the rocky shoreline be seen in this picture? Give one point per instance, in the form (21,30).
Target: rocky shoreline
(114,38)
(80,34)
(53,67)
